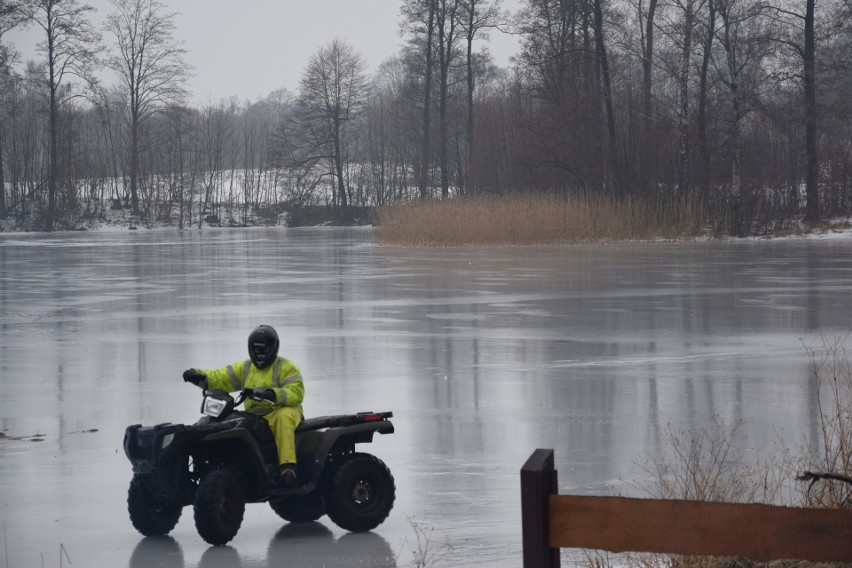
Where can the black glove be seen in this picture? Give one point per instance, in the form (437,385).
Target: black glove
(194,376)
(260,394)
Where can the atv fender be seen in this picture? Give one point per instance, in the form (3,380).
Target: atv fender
(316,447)
(238,448)
(159,459)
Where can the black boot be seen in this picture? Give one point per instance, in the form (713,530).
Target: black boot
(287,471)
(273,474)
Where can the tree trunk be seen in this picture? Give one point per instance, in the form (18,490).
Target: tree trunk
(733,86)
(134,163)
(649,156)
(683,118)
(54,164)
(736,181)
(444,127)
(446,22)
(702,96)
(591,89)
(180,182)
(811,152)
(470,87)
(610,114)
(647,58)
(2,181)
(338,166)
(427,104)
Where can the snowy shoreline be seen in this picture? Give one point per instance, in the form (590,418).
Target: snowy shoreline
(832,229)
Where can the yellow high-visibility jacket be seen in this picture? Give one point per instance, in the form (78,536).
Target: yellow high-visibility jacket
(282,376)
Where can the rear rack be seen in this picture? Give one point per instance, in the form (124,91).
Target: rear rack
(342,420)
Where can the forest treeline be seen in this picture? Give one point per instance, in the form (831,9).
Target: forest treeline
(740,105)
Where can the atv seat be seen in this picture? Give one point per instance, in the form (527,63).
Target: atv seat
(321,422)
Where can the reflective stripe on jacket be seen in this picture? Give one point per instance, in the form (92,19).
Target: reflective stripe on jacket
(282,376)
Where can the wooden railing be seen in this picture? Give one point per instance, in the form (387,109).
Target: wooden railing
(618,524)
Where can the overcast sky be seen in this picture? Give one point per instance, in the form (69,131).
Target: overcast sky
(249,48)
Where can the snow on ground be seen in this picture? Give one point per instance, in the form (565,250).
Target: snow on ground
(119,220)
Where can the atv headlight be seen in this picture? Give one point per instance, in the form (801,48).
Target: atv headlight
(213,407)
(167,440)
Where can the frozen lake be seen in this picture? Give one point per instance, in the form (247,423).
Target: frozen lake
(482,354)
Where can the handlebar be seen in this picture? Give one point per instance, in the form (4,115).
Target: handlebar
(240,397)
(218,402)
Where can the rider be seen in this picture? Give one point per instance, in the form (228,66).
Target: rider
(276,380)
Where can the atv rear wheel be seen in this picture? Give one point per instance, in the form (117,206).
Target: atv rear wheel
(148,516)
(360,493)
(300,508)
(219,506)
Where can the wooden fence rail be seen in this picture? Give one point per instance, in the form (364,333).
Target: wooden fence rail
(618,524)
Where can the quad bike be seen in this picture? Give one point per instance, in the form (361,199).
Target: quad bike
(228,458)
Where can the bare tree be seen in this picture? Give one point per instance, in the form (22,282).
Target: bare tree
(479,17)
(798,33)
(648,150)
(709,27)
(10,17)
(556,57)
(448,26)
(608,95)
(26,151)
(69,47)
(646,20)
(689,8)
(333,93)
(811,155)
(420,22)
(216,150)
(745,39)
(394,142)
(150,64)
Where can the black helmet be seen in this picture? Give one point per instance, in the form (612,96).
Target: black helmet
(263,346)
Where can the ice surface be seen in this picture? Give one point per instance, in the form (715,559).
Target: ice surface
(482,354)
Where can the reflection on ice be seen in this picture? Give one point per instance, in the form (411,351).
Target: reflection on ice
(163,551)
(483,356)
(313,544)
(219,557)
(296,545)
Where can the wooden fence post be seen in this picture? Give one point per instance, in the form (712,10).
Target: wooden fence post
(538,483)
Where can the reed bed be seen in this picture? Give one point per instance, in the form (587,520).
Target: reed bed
(535,220)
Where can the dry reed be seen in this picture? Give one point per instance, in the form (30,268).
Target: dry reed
(831,376)
(710,466)
(534,220)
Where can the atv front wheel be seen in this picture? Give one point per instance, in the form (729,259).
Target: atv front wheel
(299,508)
(360,494)
(148,516)
(219,506)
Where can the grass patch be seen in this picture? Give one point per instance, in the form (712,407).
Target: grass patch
(535,220)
